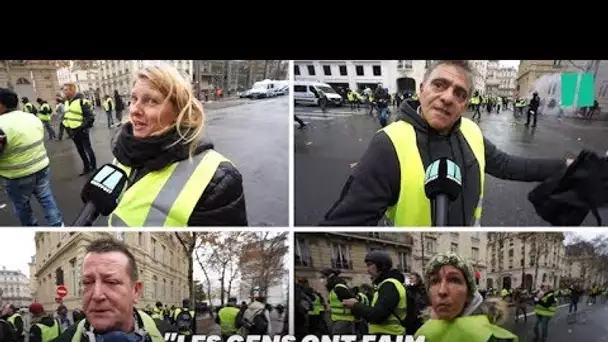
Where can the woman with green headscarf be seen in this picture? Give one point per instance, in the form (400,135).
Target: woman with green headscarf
(458,313)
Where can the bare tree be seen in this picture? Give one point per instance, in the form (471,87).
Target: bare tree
(224,248)
(188,242)
(262,260)
(201,252)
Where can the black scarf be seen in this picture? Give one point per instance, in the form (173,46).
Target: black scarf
(152,153)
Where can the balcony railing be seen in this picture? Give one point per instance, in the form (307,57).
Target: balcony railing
(341,264)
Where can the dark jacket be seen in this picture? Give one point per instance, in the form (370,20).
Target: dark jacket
(223,201)
(36,333)
(341,292)
(87,114)
(388,299)
(163,326)
(18,322)
(417,301)
(534,103)
(375,183)
(7,334)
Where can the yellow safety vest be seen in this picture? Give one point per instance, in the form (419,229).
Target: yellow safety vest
(228,319)
(363,298)
(176,314)
(413,207)
(339,313)
(550,311)
(50,333)
(475,100)
(392,325)
(317,306)
(73,117)
(44,117)
(28,107)
(24,153)
(106,104)
(470,329)
(11,320)
(167,197)
(351,96)
(158,314)
(149,327)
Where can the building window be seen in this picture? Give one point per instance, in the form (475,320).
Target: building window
(311,70)
(74,270)
(340,256)
(403,261)
(454,247)
(377,70)
(327,70)
(302,255)
(296,70)
(343,71)
(430,245)
(154,287)
(475,253)
(154,256)
(359,69)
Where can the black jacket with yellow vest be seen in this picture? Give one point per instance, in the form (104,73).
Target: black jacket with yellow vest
(223,201)
(162,326)
(375,182)
(388,298)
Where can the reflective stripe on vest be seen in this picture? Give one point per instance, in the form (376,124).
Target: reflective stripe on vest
(338,311)
(149,327)
(391,325)
(363,298)
(228,319)
(469,328)
(106,104)
(541,310)
(166,198)
(49,333)
(25,153)
(72,117)
(28,107)
(317,306)
(44,117)
(413,207)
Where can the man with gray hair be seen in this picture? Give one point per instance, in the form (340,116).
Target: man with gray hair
(389,178)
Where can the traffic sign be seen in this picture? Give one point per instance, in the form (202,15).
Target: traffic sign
(62,291)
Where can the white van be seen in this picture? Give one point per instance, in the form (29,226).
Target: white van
(305,92)
(264,89)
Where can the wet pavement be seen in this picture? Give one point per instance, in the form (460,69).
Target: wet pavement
(239,128)
(333,142)
(590,326)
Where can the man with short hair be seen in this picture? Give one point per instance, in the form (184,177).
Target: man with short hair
(78,120)
(389,178)
(13,317)
(111,289)
(24,162)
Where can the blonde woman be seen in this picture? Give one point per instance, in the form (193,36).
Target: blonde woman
(176,178)
(458,313)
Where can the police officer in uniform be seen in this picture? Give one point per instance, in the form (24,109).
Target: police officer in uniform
(389,178)
(78,120)
(13,317)
(45,328)
(387,311)
(111,286)
(226,318)
(24,163)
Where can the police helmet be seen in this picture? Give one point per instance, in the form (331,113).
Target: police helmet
(381,259)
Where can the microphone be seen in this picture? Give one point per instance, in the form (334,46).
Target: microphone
(100,194)
(442,185)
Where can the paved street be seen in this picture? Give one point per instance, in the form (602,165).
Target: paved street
(334,141)
(252,133)
(561,330)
